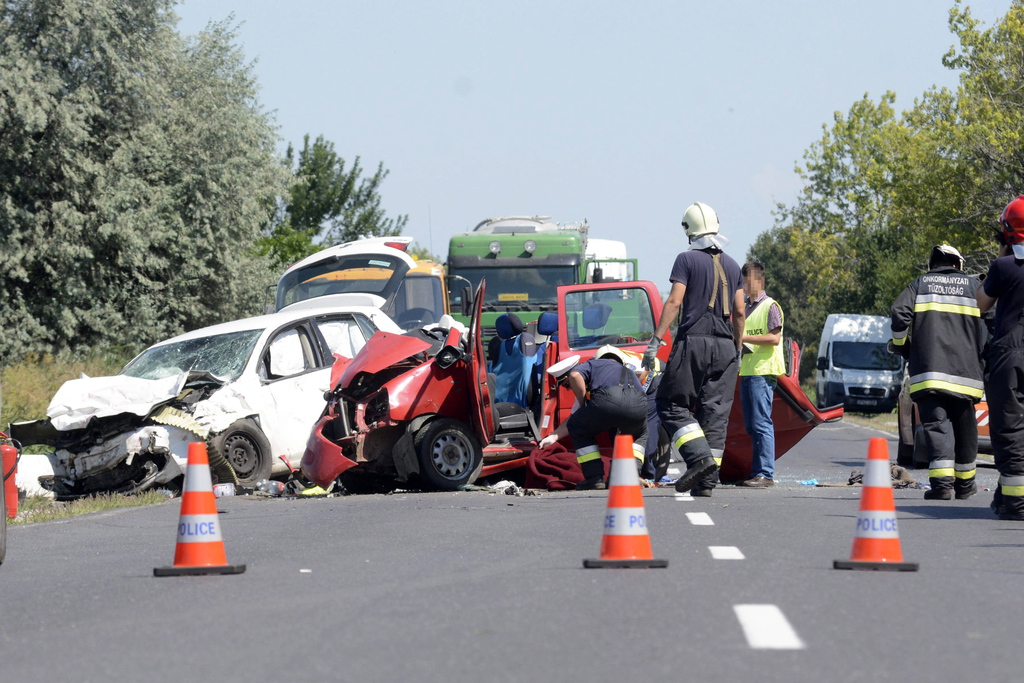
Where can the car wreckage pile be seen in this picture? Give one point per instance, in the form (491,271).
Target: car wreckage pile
(360,401)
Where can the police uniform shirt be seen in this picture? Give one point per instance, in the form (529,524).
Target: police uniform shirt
(1005,281)
(696,270)
(605,372)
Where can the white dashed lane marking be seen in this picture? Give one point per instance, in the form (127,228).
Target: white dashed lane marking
(767,628)
(684,496)
(726,552)
(700,519)
(673,472)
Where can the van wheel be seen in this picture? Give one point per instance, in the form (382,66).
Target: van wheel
(449,454)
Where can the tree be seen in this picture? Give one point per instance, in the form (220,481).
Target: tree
(327,204)
(135,170)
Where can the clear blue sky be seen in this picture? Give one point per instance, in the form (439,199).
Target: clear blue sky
(620,113)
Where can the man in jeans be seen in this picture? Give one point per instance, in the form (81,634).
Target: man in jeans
(760,366)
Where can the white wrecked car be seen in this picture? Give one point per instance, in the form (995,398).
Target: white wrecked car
(251,389)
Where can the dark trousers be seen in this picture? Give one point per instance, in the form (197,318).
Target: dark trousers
(603,413)
(950,433)
(1005,393)
(696,395)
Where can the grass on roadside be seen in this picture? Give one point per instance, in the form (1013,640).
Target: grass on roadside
(40,509)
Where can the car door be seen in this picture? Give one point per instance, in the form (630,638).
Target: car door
(293,378)
(480,399)
(623,314)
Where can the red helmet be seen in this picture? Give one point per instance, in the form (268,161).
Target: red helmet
(1012,221)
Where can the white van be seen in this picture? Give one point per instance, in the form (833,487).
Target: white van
(854,367)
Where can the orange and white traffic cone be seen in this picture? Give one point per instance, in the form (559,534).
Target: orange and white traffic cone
(876,543)
(625,542)
(200,548)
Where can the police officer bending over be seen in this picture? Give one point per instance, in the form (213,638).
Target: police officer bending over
(609,397)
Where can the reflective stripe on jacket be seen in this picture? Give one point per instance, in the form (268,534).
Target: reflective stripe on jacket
(938,318)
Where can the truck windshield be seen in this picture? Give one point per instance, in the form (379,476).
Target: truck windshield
(863,356)
(514,285)
(222,355)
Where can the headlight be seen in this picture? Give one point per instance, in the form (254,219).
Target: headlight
(495,247)
(530,246)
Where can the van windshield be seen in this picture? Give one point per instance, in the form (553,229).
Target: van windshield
(864,356)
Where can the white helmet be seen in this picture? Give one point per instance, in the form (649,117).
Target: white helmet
(944,249)
(700,219)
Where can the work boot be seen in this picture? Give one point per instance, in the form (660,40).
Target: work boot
(967,491)
(701,491)
(694,473)
(938,494)
(595,483)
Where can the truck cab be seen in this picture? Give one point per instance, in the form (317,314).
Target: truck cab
(525,259)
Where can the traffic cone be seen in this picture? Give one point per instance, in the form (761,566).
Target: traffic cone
(876,543)
(625,542)
(200,548)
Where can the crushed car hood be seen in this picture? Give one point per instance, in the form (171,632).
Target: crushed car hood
(80,403)
(383,350)
(80,400)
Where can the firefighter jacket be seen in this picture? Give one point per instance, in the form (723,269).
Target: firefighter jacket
(937,326)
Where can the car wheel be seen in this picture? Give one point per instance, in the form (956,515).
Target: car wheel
(449,454)
(247,451)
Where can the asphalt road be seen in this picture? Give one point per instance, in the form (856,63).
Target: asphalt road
(475,586)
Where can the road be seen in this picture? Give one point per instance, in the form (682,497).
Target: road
(475,586)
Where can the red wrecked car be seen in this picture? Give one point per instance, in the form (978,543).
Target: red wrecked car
(416,407)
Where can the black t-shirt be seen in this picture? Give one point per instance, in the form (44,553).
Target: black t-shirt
(605,372)
(1005,281)
(696,270)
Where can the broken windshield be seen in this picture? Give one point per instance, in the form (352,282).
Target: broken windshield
(223,355)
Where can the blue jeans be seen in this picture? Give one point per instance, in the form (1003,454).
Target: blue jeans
(756,394)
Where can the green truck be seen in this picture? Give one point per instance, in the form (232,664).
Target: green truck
(525,259)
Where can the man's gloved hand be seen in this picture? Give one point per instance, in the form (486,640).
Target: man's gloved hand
(549,440)
(891,347)
(650,354)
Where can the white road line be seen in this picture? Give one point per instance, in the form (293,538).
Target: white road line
(700,519)
(673,471)
(683,496)
(766,628)
(726,552)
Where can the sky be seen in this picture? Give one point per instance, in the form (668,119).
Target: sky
(622,114)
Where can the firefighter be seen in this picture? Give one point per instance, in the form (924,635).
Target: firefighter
(609,396)
(937,326)
(1005,284)
(699,382)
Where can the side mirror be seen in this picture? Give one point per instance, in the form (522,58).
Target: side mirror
(467,302)
(822,363)
(598,276)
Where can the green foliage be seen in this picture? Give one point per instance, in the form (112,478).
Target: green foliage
(881,187)
(136,168)
(328,204)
